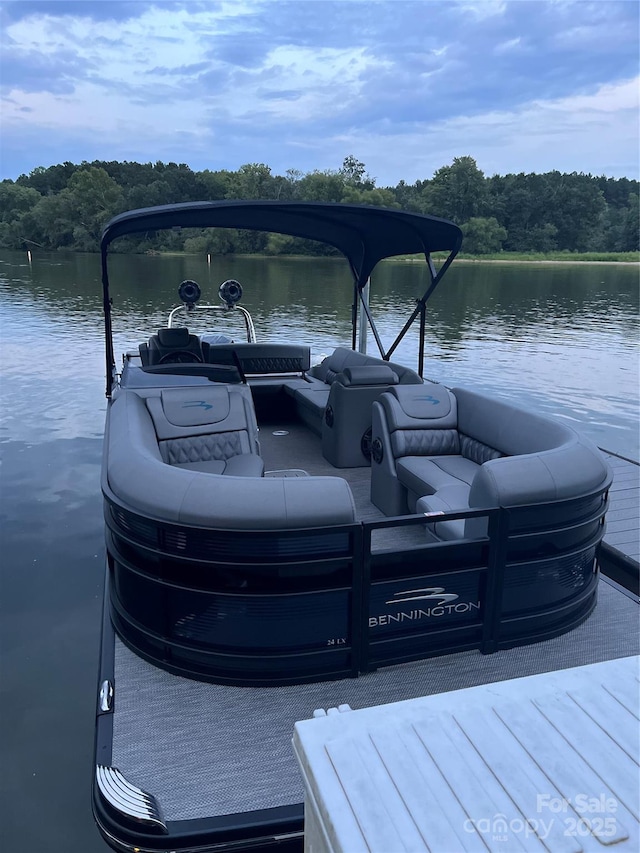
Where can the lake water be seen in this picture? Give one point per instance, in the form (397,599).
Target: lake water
(562,339)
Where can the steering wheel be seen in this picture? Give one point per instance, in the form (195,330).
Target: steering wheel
(181,356)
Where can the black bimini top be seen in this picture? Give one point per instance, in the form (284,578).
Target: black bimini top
(364,234)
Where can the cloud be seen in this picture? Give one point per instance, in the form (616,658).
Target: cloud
(96,10)
(568,134)
(31,71)
(302,84)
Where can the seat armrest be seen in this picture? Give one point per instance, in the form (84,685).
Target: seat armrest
(446,499)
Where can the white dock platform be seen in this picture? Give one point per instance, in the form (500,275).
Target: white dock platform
(547,762)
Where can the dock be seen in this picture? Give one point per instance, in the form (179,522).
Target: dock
(620,551)
(545,762)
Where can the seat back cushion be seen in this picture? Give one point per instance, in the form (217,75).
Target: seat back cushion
(421,420)
(342,357)
(263,358)
(476,451)
(216,446)
(198,410)
(333,364)
(503,427)
(201,424)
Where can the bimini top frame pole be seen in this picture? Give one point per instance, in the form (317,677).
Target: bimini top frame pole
(365,235)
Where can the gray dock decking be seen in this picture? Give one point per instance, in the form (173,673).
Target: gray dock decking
(623,517)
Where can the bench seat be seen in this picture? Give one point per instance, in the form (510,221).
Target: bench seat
(440,450)
(191,456)
(433,473)
(312,399)
(311,403)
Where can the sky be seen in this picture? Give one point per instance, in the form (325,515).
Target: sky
(403,85)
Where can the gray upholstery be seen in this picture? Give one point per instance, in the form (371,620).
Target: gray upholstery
(368,374)
(246,465)
(505,427)
(342,357)
(347,417)
(424,442)
(193,492)
(414,423)
(203,448)
(448,498)
(204,410)
(263,358)
(351,368)
(430,406)
(507,457)
(475,450)
(418,473)
(311,402)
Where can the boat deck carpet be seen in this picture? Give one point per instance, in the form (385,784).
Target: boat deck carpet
(285,444)
(206,750)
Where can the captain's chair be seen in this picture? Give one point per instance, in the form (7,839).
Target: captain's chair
(173,346)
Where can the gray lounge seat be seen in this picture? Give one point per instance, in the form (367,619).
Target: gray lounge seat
(437,450)
(311,401)
(163,462)
(312,397)
(210,429)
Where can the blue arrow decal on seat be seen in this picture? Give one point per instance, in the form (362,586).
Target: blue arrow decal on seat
(197,404)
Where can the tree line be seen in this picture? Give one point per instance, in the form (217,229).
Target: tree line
(66,206)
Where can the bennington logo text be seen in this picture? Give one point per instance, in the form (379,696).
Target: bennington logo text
(443,606)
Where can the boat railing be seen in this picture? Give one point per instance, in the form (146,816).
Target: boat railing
(289,606)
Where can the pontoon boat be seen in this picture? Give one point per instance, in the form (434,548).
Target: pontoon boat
(275,527)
